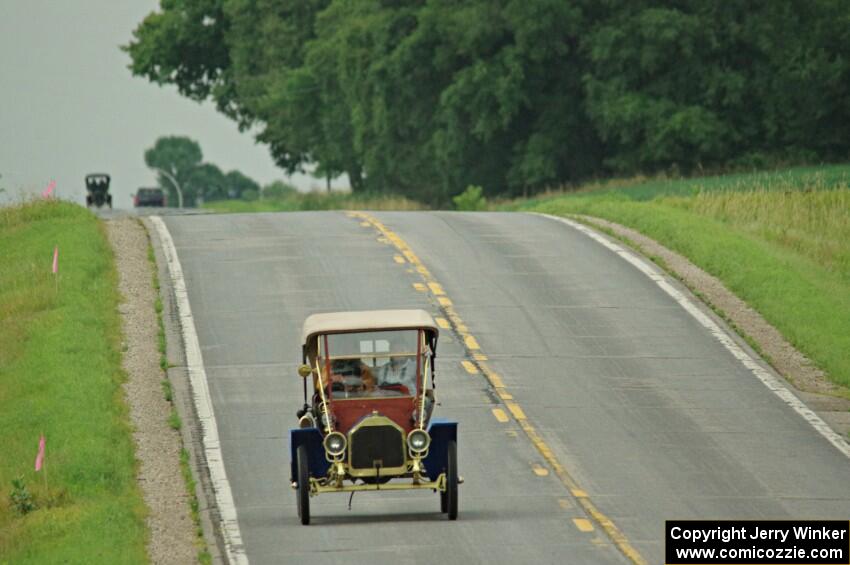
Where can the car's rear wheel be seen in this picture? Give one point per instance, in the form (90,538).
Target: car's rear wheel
(451,494)
(302,493)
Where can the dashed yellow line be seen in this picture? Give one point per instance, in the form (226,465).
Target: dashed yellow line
(410,257)
(478,356)
(470,368)
(436,289)
(399,259)
(583,524)
(500,415)
(540,470)
(420,287)
(443,323)
(583,500)
(515,410)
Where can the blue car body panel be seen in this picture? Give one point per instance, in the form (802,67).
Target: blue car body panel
(441,431)
(312,438)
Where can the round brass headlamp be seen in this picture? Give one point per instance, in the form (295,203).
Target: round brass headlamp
(335,444)
(418,441)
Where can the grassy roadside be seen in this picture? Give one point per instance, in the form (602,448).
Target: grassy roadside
(298,202)
(779,241)
(60,374)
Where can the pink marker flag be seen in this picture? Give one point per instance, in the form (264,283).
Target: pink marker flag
(48,192)
(39,459)
(55,259)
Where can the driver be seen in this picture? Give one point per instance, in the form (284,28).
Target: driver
(353,375)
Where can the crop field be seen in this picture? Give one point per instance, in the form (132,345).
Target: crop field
(60,376)
(780,241)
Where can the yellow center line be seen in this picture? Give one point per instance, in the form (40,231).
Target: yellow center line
(583,524)
(583,500)
(470,367)
(516,410)
(500,415)
(436,289)
(443,323)
(398,259)
(540,470)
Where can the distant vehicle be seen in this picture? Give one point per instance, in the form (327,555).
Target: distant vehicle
(97,188)
(366,422)
(150,197)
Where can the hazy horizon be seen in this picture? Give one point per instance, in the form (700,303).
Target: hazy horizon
(69,106)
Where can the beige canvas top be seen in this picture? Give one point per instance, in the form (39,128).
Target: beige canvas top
(339,322)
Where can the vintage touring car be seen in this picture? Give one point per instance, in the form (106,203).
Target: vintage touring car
(97,190)
(366,421)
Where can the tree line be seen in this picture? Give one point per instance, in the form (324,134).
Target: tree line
(426,97)
(179,159)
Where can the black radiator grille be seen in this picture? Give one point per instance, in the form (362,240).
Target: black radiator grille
(377,443)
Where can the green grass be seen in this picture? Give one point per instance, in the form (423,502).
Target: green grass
(315,201)
(780,241)
(60,374)
(204,556)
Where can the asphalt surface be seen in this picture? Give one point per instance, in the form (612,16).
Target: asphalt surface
(106,213)
(649,413)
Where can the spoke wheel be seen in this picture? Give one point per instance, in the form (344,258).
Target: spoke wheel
(302,493)
(451,494)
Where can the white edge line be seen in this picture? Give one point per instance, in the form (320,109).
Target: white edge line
(771,382)
(234,548)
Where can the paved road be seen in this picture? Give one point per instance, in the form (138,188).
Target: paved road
(640,404)
(107,213)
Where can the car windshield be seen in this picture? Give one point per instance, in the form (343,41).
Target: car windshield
(371,364)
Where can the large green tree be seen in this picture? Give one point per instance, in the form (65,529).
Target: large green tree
(425,97)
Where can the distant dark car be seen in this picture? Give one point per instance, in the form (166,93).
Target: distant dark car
(97,190)
(150,197)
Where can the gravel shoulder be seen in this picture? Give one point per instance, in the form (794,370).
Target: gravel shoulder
(172,532)
(826,398)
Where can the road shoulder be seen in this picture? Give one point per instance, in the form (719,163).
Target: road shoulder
(172,534)
(191,431)
(825,398)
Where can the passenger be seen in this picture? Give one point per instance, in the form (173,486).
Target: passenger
(400,373)
(369,382)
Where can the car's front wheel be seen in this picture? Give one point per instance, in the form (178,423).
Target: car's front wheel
(449,499)
(302,493)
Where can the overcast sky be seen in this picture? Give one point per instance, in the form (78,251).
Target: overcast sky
(69,106)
